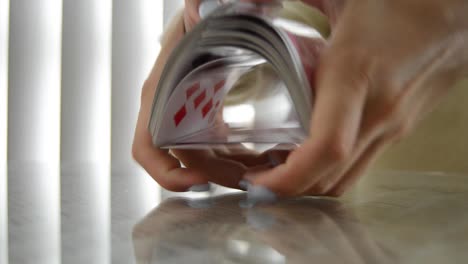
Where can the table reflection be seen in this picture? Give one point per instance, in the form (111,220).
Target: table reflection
(221,230)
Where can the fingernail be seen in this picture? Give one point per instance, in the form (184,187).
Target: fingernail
(200,188)
(249,177)
(244,184)
(273,160)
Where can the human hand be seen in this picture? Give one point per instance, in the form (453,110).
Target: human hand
(387,65)
(224,166)
(162,166)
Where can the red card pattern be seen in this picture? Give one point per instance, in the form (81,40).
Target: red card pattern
(199,99)
(193,89)
(180,115)
(182,112)
(207,108)
(219,86)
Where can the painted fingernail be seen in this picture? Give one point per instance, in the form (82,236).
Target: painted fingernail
(249,177)
(244,184)
(200,188)
(273,160)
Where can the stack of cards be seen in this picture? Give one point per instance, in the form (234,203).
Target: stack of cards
(245,74)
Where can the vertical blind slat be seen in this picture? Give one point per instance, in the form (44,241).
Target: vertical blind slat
(127,76)
(4,25)
(85,127)
(34,81)
(34,130)
(136,29)
(86,92)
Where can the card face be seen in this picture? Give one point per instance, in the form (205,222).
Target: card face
(196,101)
(180,115)
(192,90)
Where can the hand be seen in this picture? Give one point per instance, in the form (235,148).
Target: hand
(387,65)
(163,167)
(221,165)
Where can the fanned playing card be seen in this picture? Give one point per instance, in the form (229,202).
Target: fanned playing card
(245,74)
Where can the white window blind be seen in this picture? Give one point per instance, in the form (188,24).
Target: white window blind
(34,73)
(4,26)
(70,79)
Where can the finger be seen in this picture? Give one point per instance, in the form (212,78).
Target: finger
(340,99)
(408,114)
(251,158)
(248,160)
(414,111)
(259,169)
(351,176)
(166,170)
(221,171)
(274,156)
(241,154)
(331,8)
(192,15)
(279,154)
(369,133)
(162,167)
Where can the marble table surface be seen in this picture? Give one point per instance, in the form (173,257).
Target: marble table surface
(93,214)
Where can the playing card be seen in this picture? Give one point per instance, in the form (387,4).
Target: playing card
(197,100)
(308,49)
(244,74)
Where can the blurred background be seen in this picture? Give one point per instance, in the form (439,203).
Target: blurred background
(70,79)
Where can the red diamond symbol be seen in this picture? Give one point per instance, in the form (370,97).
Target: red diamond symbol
(219,85)
(180,115)
(207,108)
(193,89)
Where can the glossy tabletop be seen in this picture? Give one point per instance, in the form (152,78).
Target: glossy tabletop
(93,214)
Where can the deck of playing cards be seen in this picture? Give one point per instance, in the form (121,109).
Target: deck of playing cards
(244,74)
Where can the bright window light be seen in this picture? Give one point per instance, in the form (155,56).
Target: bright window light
(48,136)
(101,114)
(101,126)
(4,25)
(48,125)
(151,24)
(297,28)
(239,114)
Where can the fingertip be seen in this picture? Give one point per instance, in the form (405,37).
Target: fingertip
(277,180)
(181,180)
